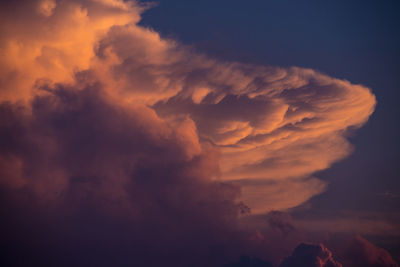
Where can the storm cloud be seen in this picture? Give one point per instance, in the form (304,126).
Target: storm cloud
(115,139)
(361,252)
(310,256)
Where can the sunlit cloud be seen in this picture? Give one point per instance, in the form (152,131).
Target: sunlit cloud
(97,111)
(273,126)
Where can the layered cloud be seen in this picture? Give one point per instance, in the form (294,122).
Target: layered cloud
(273,127)
(106,124)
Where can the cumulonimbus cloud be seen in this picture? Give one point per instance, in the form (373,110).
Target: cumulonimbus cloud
(274,127)
(100,114)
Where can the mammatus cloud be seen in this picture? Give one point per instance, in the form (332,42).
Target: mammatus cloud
(115,138)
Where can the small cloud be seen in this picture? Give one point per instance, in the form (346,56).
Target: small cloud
(46,7)
(281,220)
(362,253)
(308,255)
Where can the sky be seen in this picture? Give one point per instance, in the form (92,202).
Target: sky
(199,133)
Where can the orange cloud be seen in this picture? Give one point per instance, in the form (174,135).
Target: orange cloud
(52,40)
(360,252)
(273,127)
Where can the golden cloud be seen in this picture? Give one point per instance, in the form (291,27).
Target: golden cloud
(273,127)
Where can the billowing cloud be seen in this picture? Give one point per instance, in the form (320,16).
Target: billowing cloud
(120,175)
(307,255)
(273,127)
(361,252)
(52,40)
(102,119)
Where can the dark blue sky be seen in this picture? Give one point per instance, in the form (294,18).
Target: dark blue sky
(354,40)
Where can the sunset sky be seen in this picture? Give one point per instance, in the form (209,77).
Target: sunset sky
(199,133)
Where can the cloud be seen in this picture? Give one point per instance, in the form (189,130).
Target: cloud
(118,145)
(46,7)
(52,40)
(308,255)
(365,223)
(361,252)
(246,261)
(272,125)
(93,170)
(281,221)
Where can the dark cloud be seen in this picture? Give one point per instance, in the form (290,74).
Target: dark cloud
(282,221)
(276,126)
(361,252)
(308,255)
(121,148)
(246,261)
(94,183)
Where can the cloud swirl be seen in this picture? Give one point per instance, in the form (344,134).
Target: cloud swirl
(103,119)
(274,127)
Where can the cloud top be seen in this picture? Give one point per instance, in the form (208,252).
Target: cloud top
(103,122)
(274,127)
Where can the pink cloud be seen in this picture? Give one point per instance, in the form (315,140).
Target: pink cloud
(116,139)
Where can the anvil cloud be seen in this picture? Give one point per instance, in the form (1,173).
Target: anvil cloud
(96,109)
(274,127)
